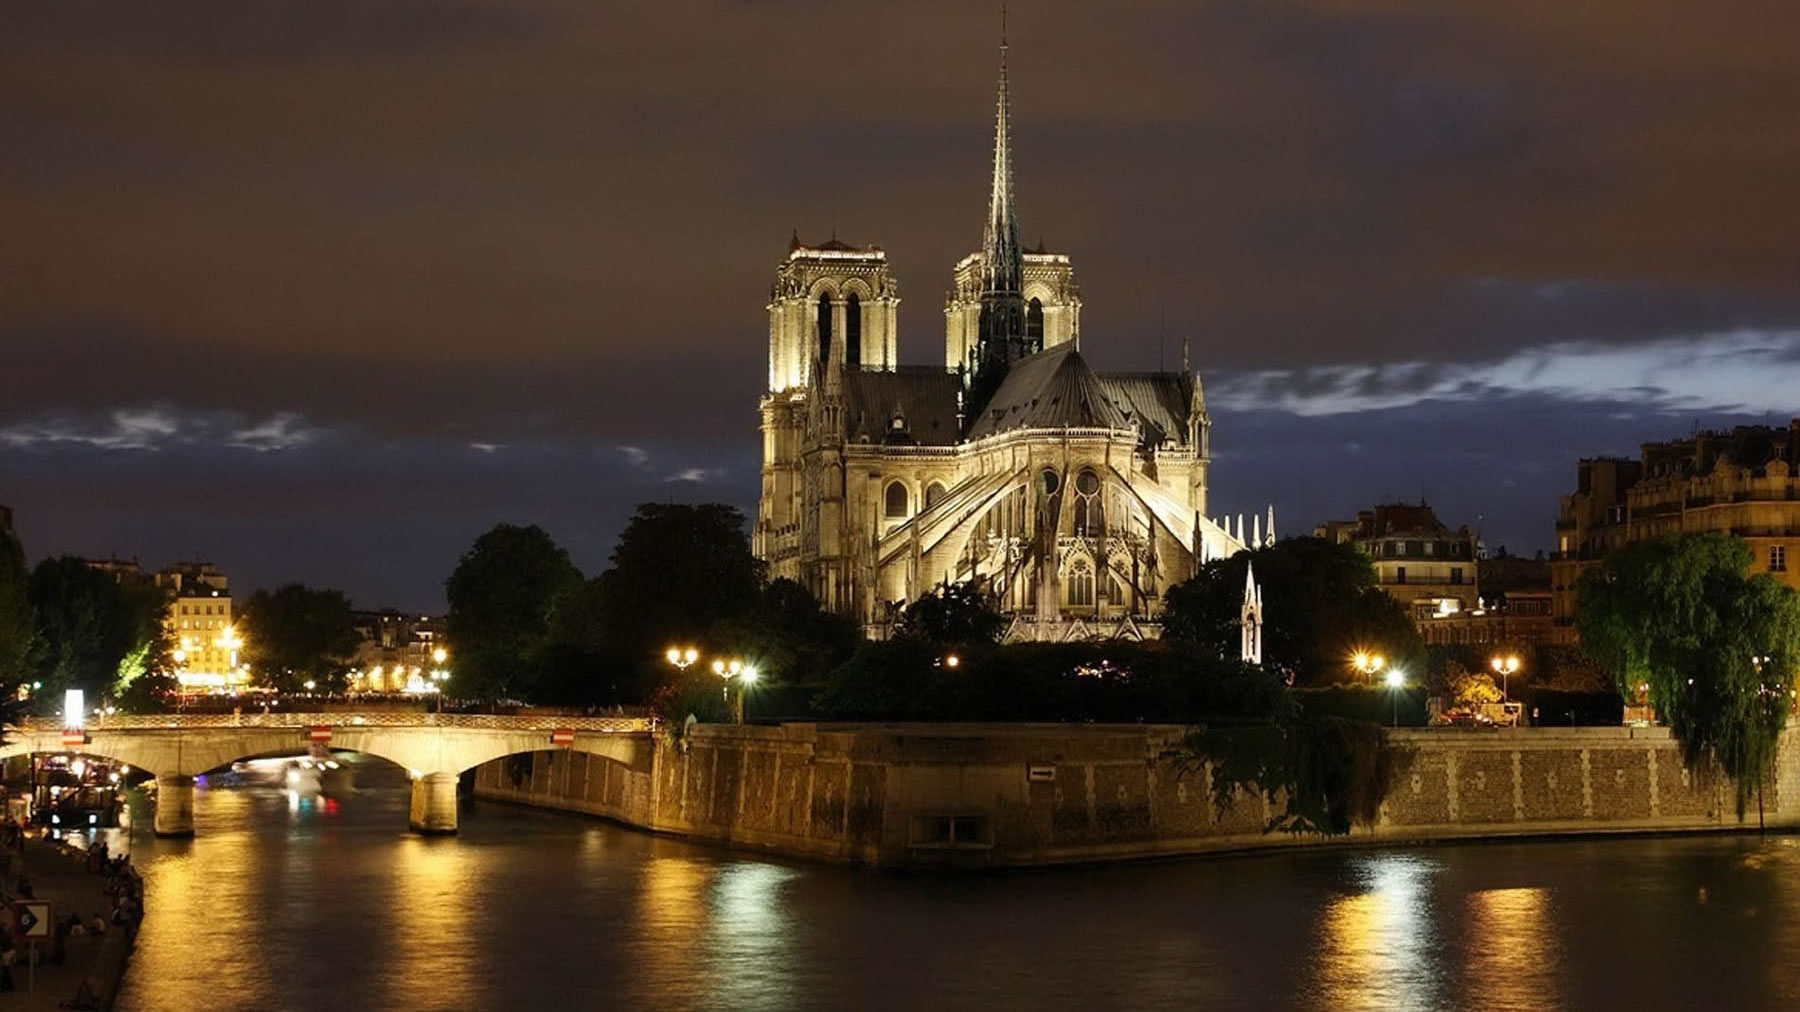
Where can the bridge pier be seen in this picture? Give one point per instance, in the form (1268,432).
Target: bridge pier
(434,804)
(174,806)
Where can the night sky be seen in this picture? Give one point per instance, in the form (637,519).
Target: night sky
(321,289)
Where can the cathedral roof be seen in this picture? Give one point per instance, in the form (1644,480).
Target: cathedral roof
(1159,400)
(924,398)
(1050,390)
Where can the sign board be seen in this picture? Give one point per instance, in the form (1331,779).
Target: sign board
(32,919)
(319,733)
(1040,772)
(74,737)
(563,737)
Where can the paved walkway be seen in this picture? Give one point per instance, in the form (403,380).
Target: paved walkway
(59,874)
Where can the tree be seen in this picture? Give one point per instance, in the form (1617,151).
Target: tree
(89,625)
(18,620)
(677,571)
(955,614)
(1320,606)
(1716,645)
(503,595)
(788,636)
(299,634)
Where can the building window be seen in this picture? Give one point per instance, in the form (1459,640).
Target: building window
(1430,548)
(824,330)
(1455,574)
(896,500)
(934,492)
(1778,558)
(1034,323)
(853,332)
(1399,574)
(1081,585)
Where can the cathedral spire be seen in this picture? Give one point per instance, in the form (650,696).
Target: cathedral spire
(1003,337)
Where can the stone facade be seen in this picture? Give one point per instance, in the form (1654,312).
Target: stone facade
(1741,482)
(925,795)
(1074,497)
(200,625)
(1419,561)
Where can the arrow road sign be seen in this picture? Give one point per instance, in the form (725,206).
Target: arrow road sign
(32,919)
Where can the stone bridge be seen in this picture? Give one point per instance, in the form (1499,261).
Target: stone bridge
(435,748)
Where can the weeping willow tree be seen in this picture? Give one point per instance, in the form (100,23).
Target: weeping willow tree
(1329,772)
(1716,645)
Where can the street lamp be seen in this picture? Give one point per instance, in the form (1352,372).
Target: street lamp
(745,675)
(1395,680)
(1368,663)
(1504,666)
(681,657)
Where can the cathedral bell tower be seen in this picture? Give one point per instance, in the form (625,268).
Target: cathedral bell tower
(832,312)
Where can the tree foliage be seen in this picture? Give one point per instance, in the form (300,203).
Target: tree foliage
(954,614)
(89,624)
(503,596)
(1320,606)
(678,571)
(1115,682)
(1328,772)
(1716,645)
(18,620)
(299,634)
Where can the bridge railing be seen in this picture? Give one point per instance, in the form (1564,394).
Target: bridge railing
(377,718)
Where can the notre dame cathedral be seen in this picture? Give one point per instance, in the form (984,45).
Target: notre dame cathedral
(1074,497)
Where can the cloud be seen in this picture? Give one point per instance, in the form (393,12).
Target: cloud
(157,428)
(697,475)
(1742,372)
(280,432)
(636,456)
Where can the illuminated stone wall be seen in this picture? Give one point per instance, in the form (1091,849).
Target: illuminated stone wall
(912,795)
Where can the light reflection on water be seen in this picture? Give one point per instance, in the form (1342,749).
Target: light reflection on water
(302,905)
(1512,962)
(1377,946)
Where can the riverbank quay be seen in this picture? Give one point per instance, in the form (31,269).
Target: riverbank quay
(1021,795)
(59,872)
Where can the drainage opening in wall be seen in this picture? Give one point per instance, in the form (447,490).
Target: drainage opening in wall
(948,832)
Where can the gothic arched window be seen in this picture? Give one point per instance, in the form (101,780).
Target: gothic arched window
(933,493)
(896,501)
(1087,503)
(824,330)
(1034,321)
(853,332)
(1081,585)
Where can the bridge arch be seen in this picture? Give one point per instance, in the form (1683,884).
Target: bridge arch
(435,749)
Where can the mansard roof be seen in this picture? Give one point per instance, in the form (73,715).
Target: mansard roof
(1052,389)
(924,397)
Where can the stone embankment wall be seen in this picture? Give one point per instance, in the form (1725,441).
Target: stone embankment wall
(901,795)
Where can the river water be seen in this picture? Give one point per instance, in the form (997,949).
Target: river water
(286,903)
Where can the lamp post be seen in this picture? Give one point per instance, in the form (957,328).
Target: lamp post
(681,657)
(1368,663)
(1396,679)
(745,674)
(1504,666)
(439,675)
